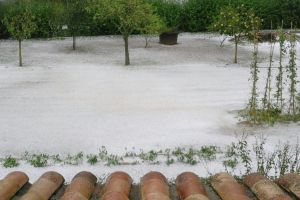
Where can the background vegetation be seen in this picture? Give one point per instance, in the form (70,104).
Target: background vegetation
(188,15)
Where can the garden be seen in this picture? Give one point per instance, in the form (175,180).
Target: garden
(89,84)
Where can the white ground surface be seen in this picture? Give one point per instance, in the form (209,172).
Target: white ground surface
(65,101)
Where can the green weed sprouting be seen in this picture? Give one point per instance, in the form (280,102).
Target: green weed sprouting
(38,160)
(92,159)
(10,162)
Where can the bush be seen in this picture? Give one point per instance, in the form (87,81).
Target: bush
(3,30)
(198,14)
(170,12)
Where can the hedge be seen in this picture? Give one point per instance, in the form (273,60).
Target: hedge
(186,15)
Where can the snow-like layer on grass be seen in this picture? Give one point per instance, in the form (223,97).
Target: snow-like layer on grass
(65,101)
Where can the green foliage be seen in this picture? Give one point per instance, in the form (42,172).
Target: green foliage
(208,152)
(198,15)
(292,75)
(128,16)
(186,156)
(49,17)
(236,22)
(92,159)
(20,23)
(275,110)
(10,162)
(77,18)
(3,29)
(74,159)
(169,11)
(279,77)
(38,160)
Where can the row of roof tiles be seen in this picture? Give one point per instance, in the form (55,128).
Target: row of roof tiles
(153,186)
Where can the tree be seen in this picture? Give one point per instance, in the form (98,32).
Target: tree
(20,24)
(129,16)
(76,17)
(152,26)
(235,22)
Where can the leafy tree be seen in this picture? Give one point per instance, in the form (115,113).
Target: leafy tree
(235,22)
(20,24)
(152,26)
(76,18)
(129,16)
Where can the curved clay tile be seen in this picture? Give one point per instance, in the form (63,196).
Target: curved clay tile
(190,187)
(154,186)
(11,184)
(44,187)
(114,196)
(81,187)
(228,188)
(264,189)
(291,182)
(118,182)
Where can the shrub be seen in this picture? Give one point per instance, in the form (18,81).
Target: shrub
(198,14)
(169,11)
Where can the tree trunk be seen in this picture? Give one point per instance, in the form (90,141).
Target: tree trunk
(74,42)
(236,48)
(147,42)
(127,60)
(20,53)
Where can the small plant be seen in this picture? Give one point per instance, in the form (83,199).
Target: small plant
(74,159)
(279,77)
(185,156)
(56,158)
(230,163)
(113,160)
(268,88)
(292,75)
(92,159)
(169,160)
(10,162)
(208,152)
(150,156)
(102,153)
(38,160)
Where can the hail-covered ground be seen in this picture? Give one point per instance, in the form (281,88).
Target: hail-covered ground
(64,101)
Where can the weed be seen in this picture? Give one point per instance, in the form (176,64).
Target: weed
(208,152)
(169,160)
(56,158)
(230,163)
(185,156)
(92,159)
(38,160)
(113,160)
(74,159)
(149,156)
(102,153)
(10,162)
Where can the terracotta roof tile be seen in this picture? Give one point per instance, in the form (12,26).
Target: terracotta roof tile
(12,183)
(44,187)
(153,186)
(228,188)
(81,187)
(291,182)
(264,188)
